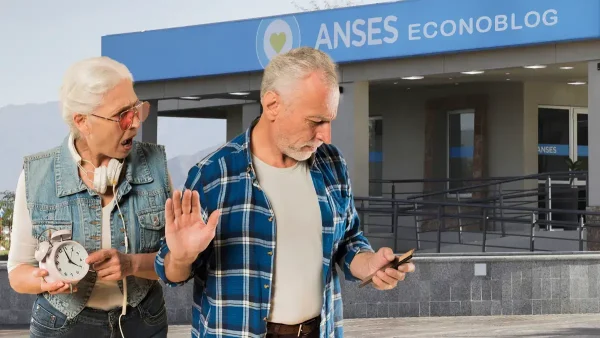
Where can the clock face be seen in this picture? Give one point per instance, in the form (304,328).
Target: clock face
(70,261)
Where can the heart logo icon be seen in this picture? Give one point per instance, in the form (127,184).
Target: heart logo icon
(277,41)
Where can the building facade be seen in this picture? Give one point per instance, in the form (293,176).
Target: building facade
(431,89)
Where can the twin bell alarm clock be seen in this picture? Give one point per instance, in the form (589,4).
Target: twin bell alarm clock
(63,258)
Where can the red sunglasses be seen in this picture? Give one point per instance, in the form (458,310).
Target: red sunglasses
(125,118)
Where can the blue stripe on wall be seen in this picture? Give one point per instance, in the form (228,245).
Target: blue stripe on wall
(376,156)
(461,152)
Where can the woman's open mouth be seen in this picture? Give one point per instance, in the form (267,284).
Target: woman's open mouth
(127,143)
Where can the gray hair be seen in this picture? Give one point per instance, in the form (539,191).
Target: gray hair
(285,70)
(85,83)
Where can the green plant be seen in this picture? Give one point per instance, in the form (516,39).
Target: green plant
(7,201)
(573,166)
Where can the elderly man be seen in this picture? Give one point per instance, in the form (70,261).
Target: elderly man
(281,215)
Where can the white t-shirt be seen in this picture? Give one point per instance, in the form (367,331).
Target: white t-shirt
(297,293)
(105,295)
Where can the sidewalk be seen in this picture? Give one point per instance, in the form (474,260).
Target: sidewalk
(507,326)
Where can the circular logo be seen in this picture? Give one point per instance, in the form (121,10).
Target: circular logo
(276,36)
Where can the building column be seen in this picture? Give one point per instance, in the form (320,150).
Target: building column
(593,234)
(149,129)
(240,117)
(593,137)
(350,133)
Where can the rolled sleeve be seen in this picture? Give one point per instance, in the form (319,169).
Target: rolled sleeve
(354,242)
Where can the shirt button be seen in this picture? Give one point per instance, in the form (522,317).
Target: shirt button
(271,219)
(266,286)
(270,253)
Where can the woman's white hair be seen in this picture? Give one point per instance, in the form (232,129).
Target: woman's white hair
(85,83)
(285,70)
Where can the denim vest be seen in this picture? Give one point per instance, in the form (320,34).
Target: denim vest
(57,198)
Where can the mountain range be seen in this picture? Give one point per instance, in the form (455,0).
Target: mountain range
(30,128)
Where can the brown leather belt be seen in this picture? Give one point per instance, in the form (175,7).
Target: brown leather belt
(297,330)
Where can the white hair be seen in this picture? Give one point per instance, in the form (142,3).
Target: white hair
(285,70)
(85,83)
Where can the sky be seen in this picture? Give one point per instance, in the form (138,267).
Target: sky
(41,39)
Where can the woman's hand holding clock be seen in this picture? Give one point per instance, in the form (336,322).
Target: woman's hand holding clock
(52,288)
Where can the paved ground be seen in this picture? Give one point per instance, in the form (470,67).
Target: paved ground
(507,326)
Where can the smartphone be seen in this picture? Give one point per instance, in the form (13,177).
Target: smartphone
(399,260)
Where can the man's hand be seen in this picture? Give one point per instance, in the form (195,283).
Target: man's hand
(110,264)
(52,288)
(366,264)
(186,234)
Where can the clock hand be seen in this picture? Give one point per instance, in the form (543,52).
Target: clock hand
(75,264)
(69,258)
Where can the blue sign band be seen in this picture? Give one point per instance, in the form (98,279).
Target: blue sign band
(380,31)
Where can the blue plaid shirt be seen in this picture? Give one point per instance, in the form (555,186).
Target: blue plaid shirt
(233,276)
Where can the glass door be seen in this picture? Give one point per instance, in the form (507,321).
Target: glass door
(562,134)
(554,139)
(580,140)
(461,145)
(375,155)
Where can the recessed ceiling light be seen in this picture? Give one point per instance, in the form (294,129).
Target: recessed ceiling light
(473,72)
(566,67)
(507,73)
(507,79)
(239,93)
(395,82)
(413,78)
(190,97)
(577,83)
(535,67)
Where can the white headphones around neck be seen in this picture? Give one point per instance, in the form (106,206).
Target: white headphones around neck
(107,176)
(104,176)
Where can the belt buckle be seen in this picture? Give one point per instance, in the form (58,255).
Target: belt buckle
(300,330)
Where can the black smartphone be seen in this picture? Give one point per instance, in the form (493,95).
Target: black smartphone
(399,260)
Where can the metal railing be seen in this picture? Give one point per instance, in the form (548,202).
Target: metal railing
(549,208)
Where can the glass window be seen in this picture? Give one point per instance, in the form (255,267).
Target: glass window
(461,132)
(553,139)
(375,155)
(582,140)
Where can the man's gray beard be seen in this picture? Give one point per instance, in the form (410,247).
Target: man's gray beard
(297,155)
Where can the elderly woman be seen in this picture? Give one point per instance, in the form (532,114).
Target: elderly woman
(109,193)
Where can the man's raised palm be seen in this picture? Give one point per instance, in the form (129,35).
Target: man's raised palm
(186,233)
